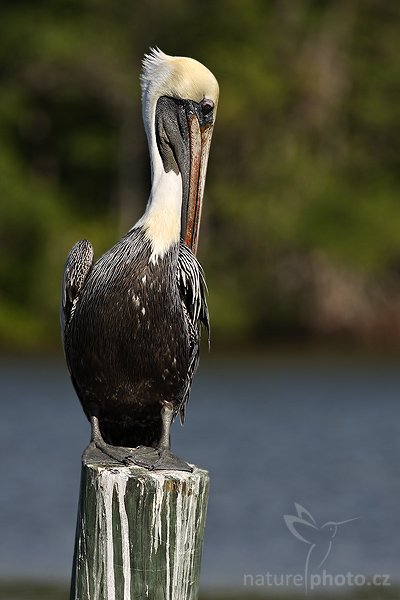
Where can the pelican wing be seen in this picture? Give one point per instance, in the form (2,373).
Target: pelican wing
(77,267)
(193,290)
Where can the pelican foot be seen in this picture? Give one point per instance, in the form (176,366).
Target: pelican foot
(153,459)
(167,460)
(140,456)
(156,459)
(115,453)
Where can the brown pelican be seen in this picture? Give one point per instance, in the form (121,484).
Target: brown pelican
(131,320)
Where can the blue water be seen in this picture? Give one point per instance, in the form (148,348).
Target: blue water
(324,433)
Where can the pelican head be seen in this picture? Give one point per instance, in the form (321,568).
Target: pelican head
(179,99)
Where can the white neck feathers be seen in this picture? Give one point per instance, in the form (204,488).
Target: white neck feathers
(162,220)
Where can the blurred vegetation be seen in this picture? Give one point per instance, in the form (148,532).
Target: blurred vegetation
(301,230)
(47,591)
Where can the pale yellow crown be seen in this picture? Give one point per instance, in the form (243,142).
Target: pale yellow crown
(176,76)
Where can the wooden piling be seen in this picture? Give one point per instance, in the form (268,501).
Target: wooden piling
(139,533)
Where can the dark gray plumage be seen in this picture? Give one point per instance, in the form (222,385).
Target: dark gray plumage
(131,334)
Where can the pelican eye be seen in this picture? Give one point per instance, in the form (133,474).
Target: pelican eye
(207,106)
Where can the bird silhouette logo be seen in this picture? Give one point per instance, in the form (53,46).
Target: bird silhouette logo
(319,537)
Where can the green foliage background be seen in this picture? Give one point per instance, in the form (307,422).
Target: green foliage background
(301,231)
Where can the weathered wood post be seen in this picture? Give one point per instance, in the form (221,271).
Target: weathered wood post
(139,533)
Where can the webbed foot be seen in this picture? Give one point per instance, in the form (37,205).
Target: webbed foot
(168,460)
(156,459)
(153,459)
(142,456)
